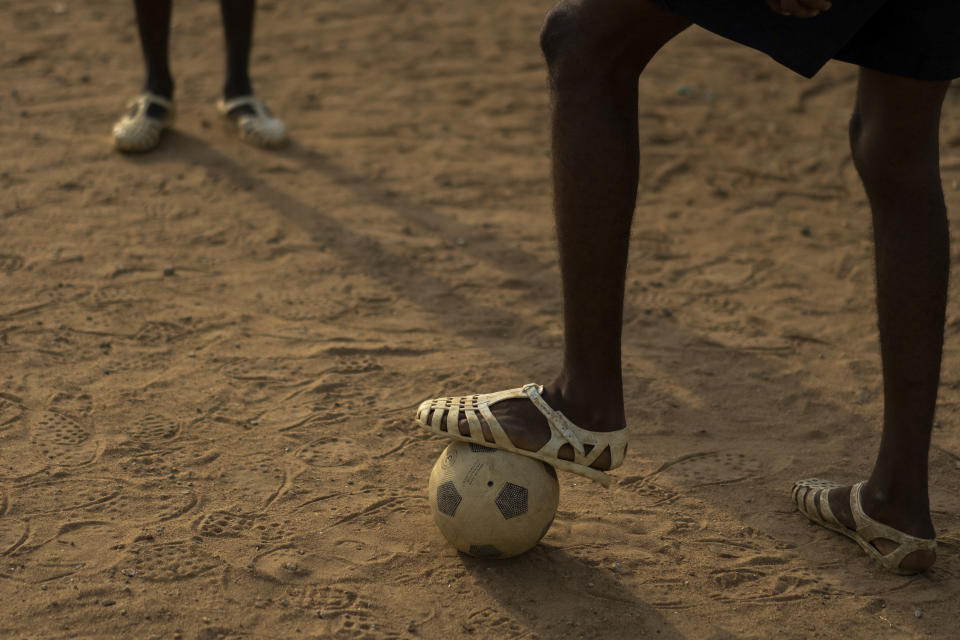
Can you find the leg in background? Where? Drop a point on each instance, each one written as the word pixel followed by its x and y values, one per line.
pixel 151 112
pixel 153 23
pixel 238 34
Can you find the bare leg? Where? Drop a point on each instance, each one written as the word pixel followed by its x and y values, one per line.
pixel 595 51
pixel 238 34
pixel 153 24
pixel 894 137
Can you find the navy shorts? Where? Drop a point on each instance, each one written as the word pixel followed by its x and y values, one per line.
pixel 916 39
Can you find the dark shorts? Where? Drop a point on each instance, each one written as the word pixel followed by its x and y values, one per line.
pixel 912 38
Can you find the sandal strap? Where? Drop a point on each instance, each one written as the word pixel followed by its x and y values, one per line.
pixel 555 419
pixel 564 431
pixel 148 98
pixel 806 501
pixel 257 104
pixel 446 418
pixel 871 530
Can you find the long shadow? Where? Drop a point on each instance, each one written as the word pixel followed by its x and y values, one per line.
pixel 398 272
pixel 423 215
pixel 557 595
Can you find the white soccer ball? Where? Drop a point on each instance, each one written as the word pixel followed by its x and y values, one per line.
pixel 490 503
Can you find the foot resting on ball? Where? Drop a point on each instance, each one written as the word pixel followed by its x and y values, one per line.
pixel 520 420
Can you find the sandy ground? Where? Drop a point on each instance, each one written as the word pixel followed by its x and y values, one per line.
pixel 210 355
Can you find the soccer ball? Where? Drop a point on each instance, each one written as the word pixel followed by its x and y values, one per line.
pixel 490 503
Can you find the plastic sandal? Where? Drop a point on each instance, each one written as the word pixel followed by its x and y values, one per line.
pixel 260 128
pixel 137 131
pixel 868 530
pixel 442 416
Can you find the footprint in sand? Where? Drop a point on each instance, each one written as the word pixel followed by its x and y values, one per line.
pixel 709 468
pixel 328 601
pixel 186 459
pixel 62 439
pixel 342 612
pixel 259 479
pixel 331 452
pixel 489 622
pixel 297 308
pixel 652 494
pixel 157 333
pixel 110 295
pixel 169 562
pixel 153 428
pixel 228 524
pixel 224 524
pixel 10 263
pixel 274 532
pixel 352 626
pixel 766 584
pixel 757 570
pixel 139 508
pixel 356 365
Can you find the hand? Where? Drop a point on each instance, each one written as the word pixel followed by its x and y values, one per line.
pixel 799 8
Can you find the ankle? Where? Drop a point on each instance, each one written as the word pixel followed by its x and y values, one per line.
pixel 905 508
pixel 162 87
pixel 588 405
pixel 237 87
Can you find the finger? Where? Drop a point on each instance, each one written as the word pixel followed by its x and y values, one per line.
pixel 794 8
pixel 816 5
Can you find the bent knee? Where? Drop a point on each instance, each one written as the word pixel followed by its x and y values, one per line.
pixel 598 35
pixel 889 160
pixel 559 33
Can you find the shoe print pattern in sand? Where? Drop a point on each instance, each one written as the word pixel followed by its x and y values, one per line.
pixel 171 562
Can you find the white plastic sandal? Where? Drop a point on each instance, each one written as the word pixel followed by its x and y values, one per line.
pixel 810 496
pixel 442 417
pixel 137 131
pixel 260 128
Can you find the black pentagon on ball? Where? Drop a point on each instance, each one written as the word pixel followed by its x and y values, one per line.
pixel 512 500
pixel 484 551
pixel 448 499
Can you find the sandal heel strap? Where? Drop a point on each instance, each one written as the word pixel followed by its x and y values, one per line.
pixel 578 437
pixel 871 530
pixel 150 97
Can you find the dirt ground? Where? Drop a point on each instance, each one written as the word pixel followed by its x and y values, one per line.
pixel 210 355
